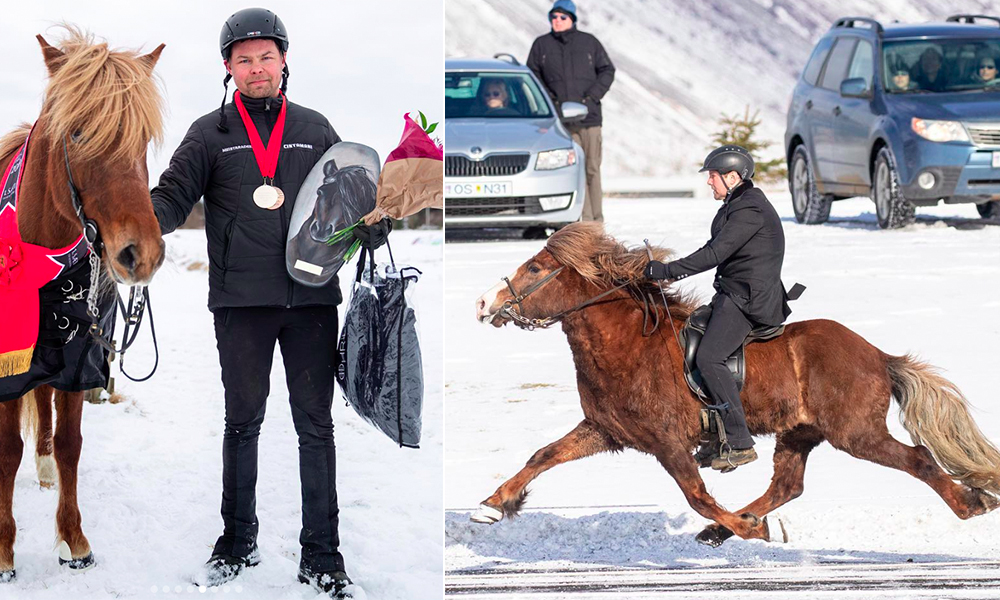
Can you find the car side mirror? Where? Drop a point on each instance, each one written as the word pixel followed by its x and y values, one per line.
pixel 573 112
pixel 856 87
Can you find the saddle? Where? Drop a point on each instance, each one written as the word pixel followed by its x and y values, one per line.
pixel 694 330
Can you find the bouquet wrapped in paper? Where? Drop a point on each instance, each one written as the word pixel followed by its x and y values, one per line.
pixel 413 177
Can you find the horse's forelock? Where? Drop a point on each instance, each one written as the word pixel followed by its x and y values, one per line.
pixel 107 96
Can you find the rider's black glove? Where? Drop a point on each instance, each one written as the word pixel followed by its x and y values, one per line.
pixel 657 270
pixel 373 236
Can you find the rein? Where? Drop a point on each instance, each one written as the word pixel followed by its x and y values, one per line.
pixel 507 310
pixel 136 308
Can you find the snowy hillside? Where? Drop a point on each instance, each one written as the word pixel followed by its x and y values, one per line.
pixel 672 58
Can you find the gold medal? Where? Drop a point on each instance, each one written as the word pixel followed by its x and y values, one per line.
pixel 269 197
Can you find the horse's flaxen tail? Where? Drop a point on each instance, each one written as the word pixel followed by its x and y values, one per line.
pixel 936 415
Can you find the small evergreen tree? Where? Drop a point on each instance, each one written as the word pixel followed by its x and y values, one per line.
pixel 742 131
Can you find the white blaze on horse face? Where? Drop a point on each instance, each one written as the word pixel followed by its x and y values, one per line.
pixel 484 304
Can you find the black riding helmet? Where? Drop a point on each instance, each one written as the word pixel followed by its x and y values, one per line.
pixel 246 24
pixel 251 23
pixel 730 158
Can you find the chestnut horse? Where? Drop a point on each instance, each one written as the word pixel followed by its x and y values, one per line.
pixel 105 107
pixel 819 381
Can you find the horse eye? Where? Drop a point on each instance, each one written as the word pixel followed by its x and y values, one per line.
pixel 534 269
pixel 76 136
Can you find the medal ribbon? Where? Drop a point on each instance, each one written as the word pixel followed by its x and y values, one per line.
pixel 267 158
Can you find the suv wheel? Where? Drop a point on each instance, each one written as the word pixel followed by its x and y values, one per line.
pixel 891 208
pixel 989 210
pixel 809 205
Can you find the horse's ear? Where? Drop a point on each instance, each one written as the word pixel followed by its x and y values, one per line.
pixel 150 59
pixel 53 56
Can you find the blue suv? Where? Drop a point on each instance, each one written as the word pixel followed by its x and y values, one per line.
pixel 908 114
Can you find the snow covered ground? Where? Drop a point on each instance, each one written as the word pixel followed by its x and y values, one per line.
pixel 150 473
pixel 930 289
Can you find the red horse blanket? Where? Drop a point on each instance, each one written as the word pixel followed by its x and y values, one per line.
pixel 24 269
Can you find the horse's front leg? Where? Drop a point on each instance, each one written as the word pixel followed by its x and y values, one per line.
pixel 682 467
pixel 11 447
pixel 74 549
pixel 585 440
pixel 45 463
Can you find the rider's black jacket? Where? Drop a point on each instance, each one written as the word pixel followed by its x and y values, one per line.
pixel 246 244
pixel 748 247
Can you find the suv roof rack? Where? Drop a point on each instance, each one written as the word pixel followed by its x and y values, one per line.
pixel 850 21
pixel 508 57
pixel 971 19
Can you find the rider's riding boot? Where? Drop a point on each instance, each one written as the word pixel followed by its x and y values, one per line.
pixel 728 461
pixel 708 451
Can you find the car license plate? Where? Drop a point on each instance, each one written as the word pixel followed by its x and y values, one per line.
pixel 478 189
pixel 996 160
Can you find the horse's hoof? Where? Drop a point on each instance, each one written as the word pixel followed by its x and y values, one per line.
pixel 8 576
pixel 776 530
pixel 77 565
pixel 486 514
pixel 714 535
pixel 710 537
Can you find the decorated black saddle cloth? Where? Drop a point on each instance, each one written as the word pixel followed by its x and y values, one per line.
pixel 66 355
pixel 694 330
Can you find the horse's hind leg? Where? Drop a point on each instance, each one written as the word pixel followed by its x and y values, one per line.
pixel 45 463
pixel 585 440
pixel 881 448
pixel 74 549
pixel 790 454
pixel 679 463
pixel 11 448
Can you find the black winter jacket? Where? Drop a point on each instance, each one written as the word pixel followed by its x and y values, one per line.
pixel 748 247
pixel 246 243
pixel 574 68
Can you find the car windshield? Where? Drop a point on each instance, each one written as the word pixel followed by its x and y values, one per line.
pixel 929 66
pixel 493 95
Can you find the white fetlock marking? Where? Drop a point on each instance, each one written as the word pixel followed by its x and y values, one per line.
pixel 64 552
pixel 45 465
pixel 486 514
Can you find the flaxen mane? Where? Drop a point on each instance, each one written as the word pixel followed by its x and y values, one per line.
pixel 601 259
pixel 107 99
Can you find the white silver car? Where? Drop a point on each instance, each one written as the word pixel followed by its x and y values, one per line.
pixel 509 162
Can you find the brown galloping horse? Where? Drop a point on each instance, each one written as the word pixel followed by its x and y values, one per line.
pixel 106 106
pixel 818 381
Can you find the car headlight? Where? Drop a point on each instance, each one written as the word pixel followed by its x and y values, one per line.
pixel 555 159
pixel 939 131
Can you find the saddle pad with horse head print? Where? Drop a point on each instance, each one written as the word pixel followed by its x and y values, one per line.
pixel 694 330
pixel 24 269
pixel 338 191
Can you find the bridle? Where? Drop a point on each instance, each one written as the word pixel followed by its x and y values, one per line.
pixel 507 310
pixel 137 303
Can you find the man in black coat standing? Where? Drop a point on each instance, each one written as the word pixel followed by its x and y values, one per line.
pixel 248 160
pixel 747 247
pixel 574 67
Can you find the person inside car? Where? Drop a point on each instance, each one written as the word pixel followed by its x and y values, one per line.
pixel 900 75
pixel 493 99
pixel 986 71
pixel 930 75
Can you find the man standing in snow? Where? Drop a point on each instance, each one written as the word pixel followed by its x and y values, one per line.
pixel 748 247
pixel 575 68
pixel 248 160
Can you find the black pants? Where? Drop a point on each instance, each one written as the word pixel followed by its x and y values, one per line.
pixel 308 341
pixel 726 331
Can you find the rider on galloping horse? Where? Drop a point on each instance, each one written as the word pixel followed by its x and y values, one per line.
pixel 747 247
